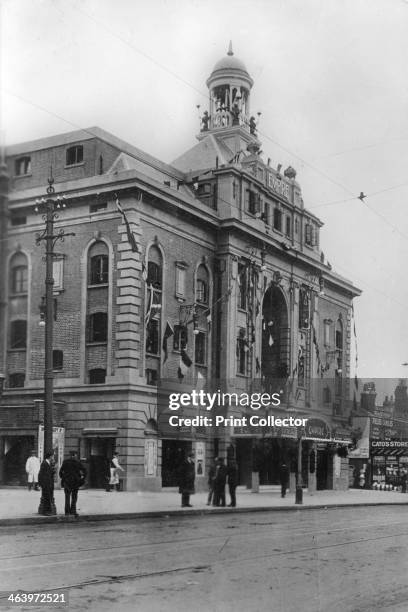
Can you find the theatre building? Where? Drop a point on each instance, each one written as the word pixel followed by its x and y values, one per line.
pixel 205 273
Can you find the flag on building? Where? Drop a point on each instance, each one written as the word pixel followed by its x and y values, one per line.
pixel 130 235
pixel 144 272
pixel 200 382
pixel 168 332
pixel 149 304
pixel 185 364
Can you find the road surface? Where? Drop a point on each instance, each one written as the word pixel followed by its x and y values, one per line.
pixel 350 559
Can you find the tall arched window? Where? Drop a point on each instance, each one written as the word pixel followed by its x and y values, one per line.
pixel 154 287
pixel 98 264
pixel 339 357
pixel 304 308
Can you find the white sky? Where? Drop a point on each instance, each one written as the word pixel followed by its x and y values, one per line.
pixel 331 82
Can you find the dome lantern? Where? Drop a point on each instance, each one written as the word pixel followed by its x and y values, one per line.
pixel 229 86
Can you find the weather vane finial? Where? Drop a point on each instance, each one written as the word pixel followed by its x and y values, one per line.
pixel 230 51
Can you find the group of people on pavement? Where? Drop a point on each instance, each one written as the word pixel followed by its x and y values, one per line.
pixel 218 477
pixel 72 474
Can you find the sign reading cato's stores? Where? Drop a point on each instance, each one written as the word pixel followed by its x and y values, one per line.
pixel 376 444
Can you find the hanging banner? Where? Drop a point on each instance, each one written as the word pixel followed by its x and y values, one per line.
pixel 200 458
pixel 150 457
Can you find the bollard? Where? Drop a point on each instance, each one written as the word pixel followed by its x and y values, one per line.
pixel 299 495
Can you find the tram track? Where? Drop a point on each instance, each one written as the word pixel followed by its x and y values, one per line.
pixel 275 553
pixel 300 531
pixel 196 568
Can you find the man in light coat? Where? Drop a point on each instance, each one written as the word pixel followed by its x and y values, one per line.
pixel 32 468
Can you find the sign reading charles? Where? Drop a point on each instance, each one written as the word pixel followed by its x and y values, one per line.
pixel 317 429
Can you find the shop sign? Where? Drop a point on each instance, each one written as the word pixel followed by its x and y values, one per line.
pixel 389 444
pixel 249 431
pixel 278 185
pixel 317 430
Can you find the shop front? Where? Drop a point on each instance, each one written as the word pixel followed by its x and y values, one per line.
pixel 262 450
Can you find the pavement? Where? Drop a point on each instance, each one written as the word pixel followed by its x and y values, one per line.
pixel 18 506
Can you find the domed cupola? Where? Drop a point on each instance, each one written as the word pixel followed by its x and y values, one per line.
pixel 229 85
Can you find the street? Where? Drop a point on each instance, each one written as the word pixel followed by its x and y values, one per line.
pixel 350 559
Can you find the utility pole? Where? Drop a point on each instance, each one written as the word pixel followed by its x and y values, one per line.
pixel 50 205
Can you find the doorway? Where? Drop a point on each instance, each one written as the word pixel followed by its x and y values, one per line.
pixel 17 449
pixel 99 453
pixel 173 454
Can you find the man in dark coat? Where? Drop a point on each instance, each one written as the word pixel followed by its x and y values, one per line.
pixel 186 480
pixel 72 474
pixel 46 482
pixel 283 478
pixel 211 478
pixel 232 475
pixel 219 483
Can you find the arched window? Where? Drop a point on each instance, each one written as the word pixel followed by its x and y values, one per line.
pixel 98 264
pixel 18 274
pixel 75 155
pixel 339 335
pixel 339 358
pixel 154 285
pixel 304 308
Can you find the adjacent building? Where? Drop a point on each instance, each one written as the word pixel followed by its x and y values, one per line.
pixel 212 279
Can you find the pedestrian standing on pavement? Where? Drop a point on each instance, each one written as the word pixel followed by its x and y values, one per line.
pixel 219 483
pixel 72 474
pixel 232 476
pixel 46 482
pixel 115 468
pixel 283 478
pixel 32 467
pixel 403 481
pixel 186 476
pixel 211 477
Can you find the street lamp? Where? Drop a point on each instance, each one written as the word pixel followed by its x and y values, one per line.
pixel 49 206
